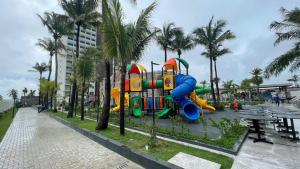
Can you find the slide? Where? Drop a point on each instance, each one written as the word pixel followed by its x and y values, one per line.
pixel 164 112
pixel 137 105
pixel 115 94
pixel 185 84
pixel 200 102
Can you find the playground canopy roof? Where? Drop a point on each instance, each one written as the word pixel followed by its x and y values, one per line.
pixel 136 69
pixel 184 63
pixel 170 64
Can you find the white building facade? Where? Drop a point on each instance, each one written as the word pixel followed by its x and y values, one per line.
pixel 87 39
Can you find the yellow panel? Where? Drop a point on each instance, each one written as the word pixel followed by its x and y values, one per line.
pixel 168 82
pixel 136 84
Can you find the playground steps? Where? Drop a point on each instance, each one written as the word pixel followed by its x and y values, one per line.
pixel 187 161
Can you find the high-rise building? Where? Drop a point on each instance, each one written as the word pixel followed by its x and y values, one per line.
pixel 88 38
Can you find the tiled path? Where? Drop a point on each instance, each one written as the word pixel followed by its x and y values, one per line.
pixel 36 141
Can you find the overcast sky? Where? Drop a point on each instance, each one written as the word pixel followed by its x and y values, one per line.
pixel 248 19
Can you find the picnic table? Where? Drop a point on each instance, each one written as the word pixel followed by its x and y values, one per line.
pixel 257 118
pixel 291 115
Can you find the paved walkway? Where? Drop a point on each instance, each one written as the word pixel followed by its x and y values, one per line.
pixel 37 141
pixel 283 154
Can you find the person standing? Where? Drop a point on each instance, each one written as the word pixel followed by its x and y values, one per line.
pixel 277 100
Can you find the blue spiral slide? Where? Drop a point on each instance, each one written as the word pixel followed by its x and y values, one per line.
pixel 185 84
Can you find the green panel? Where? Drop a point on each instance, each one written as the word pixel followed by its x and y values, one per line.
pixel 159 84
pixel 129 67
pixel 145 84
pixel 185 63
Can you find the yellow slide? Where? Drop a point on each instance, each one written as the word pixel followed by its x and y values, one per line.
pixel 115 94
pixel 200 102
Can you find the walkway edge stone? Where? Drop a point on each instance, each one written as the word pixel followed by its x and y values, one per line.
pixel 142 159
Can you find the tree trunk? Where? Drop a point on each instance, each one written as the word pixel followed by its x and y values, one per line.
pixel 50 68
pixel 76 102
pixel 217 82
pixel 74 85
pixel 122 99
pixel 179 64
pixel 56 74
pixel 82 100
pixel 166 57
pixel 212 82
pixel 97 98
pixel 104 118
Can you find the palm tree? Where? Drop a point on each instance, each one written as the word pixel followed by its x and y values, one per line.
pixel 126 42
pixel 294 79
pixel 82 14
pixel 257 78
pixel 13 93
pixel 287 29
pixel 228 88
pixel 40 68
pixel 49 45
pixel 211 37
pixel 58 26
pixel 103 122
pixel 25 90
pixel 181 43
pixel 31 92
pixel 85 72
pixel 47 89
pixel 165 37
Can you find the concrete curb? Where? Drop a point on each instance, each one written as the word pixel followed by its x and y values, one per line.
pixel 236 148
pixel 144 160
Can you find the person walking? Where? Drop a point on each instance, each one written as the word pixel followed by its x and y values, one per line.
pixel 277 100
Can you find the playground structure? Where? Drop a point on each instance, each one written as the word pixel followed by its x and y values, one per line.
pixel 179 93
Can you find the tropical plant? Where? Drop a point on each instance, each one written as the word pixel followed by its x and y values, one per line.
pixel 294 79
pixel 47 89
pixel 287 29
pixel 85 72
pixel 13 93
pixel 211 37
pixel 58 26
pixel 181 43
pixel 257 78
pixel 126 41
pixel 40 68
pixel 230 88
pixel 166 36
pixel 31 93
pixel 83 14
pixel 25 90
pixel 49 45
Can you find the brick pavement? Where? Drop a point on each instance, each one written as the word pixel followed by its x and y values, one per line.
pixel 36 141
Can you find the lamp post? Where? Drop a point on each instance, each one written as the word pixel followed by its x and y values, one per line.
pixel 153 112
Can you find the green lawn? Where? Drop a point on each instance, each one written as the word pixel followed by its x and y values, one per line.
pixel 5 122
pixel 165 150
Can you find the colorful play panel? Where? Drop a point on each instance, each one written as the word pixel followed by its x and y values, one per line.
pixel 179 93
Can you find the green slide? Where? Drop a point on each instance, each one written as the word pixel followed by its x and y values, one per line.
pixel 137 112
pixel 136 106
pixel 164 112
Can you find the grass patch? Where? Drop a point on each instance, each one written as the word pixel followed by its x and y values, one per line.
pixel 165 150
pixel 227 140
pixel 5 121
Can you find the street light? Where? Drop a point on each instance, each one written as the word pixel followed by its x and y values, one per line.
pixel 153 112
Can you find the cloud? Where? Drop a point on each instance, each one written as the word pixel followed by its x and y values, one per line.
pixel 249 20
